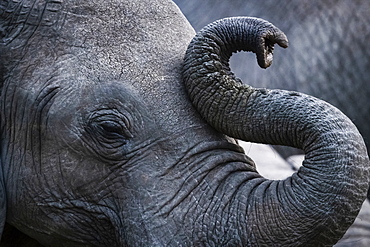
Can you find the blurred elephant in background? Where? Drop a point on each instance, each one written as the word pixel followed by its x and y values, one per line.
pixel 328 55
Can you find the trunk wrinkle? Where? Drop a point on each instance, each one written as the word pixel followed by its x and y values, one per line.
pixel 317 204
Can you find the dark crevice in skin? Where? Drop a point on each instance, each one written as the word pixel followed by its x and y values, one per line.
pixel 38 117
pixel 322 199
pixel 13 237
pixel 78 214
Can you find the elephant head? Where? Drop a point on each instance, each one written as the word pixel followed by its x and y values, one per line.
pixel 100 144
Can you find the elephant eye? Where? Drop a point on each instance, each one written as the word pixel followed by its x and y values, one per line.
pixel 108 133
pixel 114 129
pixel 109 125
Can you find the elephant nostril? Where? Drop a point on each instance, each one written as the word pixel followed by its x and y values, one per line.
pixel 269 46
pixel 268 53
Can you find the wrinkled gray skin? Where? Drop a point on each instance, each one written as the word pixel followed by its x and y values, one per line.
pixel 328 55
pixel 100 145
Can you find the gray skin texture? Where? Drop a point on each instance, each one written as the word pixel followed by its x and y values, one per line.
pixel 328 55
pixel 101 146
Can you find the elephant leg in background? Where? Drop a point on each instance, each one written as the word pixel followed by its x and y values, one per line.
pixel 328 55
pixel 287 153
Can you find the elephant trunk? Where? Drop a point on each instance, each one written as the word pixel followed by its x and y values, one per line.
pixel 317 204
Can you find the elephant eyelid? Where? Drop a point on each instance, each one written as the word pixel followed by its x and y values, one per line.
pixel 113 128
pixel 110 123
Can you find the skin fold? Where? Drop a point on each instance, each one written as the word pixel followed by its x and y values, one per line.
pixel 110 137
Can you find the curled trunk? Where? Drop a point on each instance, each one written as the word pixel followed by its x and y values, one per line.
pixel 317 204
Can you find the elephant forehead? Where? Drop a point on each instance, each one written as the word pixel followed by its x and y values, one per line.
pixel 131 42
pixel 121 32
pixel 134 43
pixel 159 24
pixel 132 20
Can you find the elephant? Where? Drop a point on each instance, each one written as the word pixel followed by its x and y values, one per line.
pixel 118 126
pixel 327 58
pixel 328 55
